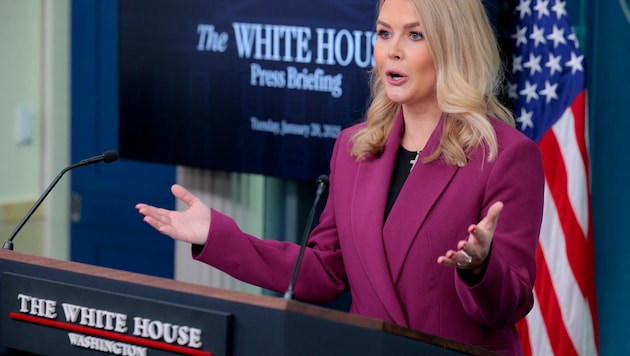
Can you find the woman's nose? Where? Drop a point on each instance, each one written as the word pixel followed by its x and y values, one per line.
pixel 394 50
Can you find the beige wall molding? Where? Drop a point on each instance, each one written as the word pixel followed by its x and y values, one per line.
pixel 13 212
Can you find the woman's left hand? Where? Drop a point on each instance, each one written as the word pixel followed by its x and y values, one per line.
pixel 473 252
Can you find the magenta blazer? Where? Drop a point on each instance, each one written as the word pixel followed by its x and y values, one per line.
pixel 391 266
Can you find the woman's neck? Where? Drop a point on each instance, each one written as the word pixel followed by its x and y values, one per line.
pixel 419 126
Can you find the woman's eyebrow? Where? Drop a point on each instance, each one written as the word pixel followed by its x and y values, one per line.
pixel 406 26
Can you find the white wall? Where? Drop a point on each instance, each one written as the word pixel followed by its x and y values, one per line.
pixel 56 124
pixel 34 81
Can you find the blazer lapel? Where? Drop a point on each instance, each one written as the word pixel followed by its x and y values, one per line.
pixel 368 211
pixel 421 190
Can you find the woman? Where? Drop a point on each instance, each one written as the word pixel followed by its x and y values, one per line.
pixel 411 225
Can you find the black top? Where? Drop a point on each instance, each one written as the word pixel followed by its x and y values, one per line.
pixel 400 174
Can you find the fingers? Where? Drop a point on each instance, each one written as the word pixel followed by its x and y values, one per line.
pixel 495 210
pixel 472 252
pixel 183 194
pixel 178 191
pixel 154 223
pixel 462 259
pixel 459 259
pixel 484 230
pixel 153 215
pixel 490 221
pixel 158 218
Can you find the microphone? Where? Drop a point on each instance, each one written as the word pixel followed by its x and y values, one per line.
pixel 107 157
pixel 322 185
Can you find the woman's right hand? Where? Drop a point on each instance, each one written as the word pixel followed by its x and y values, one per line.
pixel 191 225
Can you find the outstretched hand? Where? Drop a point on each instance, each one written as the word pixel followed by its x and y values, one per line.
pixel 190 225
pixel 473 252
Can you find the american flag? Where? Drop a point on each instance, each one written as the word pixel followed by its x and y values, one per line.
pixel 549 94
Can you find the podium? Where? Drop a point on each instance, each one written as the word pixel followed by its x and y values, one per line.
pixel 54 307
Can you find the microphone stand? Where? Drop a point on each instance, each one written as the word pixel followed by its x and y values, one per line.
pixel 8 245
pixel 322 184
pixel 108 156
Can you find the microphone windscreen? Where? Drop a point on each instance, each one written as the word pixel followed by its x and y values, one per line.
pixel 322 179
pixel 110 156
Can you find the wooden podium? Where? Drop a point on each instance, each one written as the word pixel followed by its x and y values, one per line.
pixel 54 307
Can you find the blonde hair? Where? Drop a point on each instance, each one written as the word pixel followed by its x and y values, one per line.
pixel 469 74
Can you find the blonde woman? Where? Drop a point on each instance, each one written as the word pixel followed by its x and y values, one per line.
pixel 435 201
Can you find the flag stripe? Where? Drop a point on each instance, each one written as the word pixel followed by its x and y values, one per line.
pixel 523 329
pixel 574 308
pixel 572 143
pixel 566 135
pixel 587 270
pixel 550 308
pixel 557 178
pixel 578 108
pixel 538 337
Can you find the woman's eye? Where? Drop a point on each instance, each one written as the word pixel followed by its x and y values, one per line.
pixel 383 34
pixel 416 36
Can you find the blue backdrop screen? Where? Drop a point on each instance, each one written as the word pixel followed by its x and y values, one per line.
pixel 246 86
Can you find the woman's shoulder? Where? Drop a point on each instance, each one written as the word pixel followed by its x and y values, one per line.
pixel 514 146
pixel 508 135
pixel 347 133
pixel 354 128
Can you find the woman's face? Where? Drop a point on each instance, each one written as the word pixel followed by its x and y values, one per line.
pixel 402 55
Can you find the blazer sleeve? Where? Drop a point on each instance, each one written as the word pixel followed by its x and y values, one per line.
pixel 269 263
pixel 505 293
